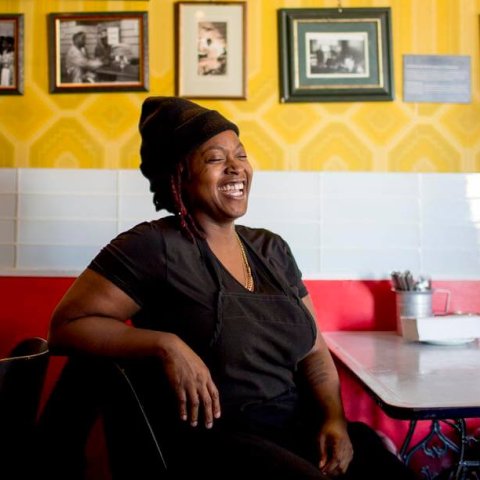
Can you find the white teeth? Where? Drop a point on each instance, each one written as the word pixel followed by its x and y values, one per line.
pixel 231 186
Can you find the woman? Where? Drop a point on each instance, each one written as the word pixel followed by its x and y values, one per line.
pixel 223 311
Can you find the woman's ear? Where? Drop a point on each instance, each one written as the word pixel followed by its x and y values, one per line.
pixel 183 170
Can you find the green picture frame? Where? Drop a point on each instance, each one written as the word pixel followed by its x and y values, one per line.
pixel 335 55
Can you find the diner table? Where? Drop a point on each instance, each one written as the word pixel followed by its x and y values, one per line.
pixel 419 381
pixel 116 73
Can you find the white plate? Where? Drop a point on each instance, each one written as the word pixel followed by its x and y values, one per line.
pixel 450 342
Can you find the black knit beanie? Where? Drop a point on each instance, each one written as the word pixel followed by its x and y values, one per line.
pixel 170 128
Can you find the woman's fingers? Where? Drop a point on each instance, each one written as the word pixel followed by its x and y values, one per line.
pixel 182 404
pixel 336 450
pixel 207 403
pixel 204 402
pixel 216 409
pixel 188 404
pixel 193 409
pixel 199 400
pixel 211 404
pixel 197 395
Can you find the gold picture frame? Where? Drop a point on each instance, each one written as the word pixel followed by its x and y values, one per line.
pixel 98 52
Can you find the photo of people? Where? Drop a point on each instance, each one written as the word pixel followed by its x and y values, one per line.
pixel 96 51
pixel 7 54
pixel 212 48
pixel 337 55
pixel 79 66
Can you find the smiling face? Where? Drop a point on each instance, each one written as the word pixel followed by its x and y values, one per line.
pixel 218 180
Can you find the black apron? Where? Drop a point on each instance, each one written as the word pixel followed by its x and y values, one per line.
pixel 258 341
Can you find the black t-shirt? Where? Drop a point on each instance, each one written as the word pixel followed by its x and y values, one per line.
pixel 172 278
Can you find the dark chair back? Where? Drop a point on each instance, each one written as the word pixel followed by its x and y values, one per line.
pixel 87 388
pixel 22 376
pixel 139 455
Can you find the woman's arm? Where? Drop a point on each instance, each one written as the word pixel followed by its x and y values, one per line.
pixel 320 375
pixel 90 319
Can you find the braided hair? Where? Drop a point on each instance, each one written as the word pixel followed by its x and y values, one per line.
pixel 167 194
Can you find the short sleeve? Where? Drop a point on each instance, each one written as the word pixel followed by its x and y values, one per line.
pixel 134 261
pixel 292 271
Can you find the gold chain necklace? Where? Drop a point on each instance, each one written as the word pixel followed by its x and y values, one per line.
pixel 249 283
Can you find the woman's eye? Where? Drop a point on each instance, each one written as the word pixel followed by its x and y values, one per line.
pixel 214 160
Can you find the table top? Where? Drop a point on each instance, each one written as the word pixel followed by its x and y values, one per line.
pixel 412 380
pixel 128 73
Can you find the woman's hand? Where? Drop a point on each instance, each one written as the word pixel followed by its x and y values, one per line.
pixel 335 448
pixel 193 385
pixel 91 319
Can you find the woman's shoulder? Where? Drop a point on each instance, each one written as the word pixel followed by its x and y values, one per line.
pixel 161 227
pixel 263 240
pixel 277 253
pixel 256 234
pixel 160 224
pixel 145 237
pixel 141 248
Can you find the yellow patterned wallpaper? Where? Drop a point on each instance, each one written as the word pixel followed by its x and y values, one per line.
pixel 98 130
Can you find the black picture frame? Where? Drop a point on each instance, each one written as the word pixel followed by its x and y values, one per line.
pixel 11 54
pixel 116 62
pixel 335 55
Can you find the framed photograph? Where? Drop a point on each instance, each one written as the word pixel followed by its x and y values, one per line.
pixel 11 54
pixel 98 52
pixel 335 55
pixel 211 49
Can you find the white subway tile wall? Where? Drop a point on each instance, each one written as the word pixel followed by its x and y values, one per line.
pixel 67 182
pixel 8 180
pixel 8 205
pixel 338 224
pixel 8 214
pixel 56 206
pixel 7 232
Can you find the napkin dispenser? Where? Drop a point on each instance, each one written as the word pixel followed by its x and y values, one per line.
pixel 455 328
